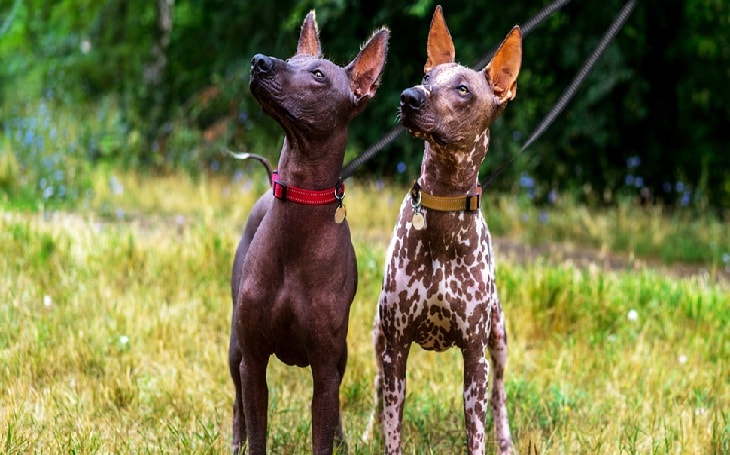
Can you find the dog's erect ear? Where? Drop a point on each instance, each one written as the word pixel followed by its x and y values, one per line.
pixel 364 70
pixel 439 47
pixel 501 72
pixel 309 37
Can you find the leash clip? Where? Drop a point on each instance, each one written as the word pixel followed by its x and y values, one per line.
pixel 416 203
pixel 416 196
pixel 341 195
pixel 418 220
pixel 340 211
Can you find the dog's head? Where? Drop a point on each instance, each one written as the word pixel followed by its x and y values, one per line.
pixel 310 94
pixel 454 105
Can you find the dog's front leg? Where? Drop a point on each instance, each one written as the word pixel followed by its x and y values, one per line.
pixel 325 407
pixel 498 353
pixel 476 373
pixel 255 402
pixel 395 357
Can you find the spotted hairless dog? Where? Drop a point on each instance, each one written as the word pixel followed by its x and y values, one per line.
pixel 294 272
pixel 439 284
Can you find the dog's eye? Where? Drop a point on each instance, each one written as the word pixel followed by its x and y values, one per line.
pixel 318 74
pixel 463 90
pixel 426 78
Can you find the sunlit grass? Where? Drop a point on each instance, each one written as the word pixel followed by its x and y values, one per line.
pixel 115 325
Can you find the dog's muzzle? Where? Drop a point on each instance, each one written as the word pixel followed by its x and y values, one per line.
pixel 412 100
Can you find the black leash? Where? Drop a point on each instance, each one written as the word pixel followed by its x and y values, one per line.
pixel 568 93
pixel 358 161
pixel 525 28
pixel 393 134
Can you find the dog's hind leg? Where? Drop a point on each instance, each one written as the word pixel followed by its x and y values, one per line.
pixel 498 352
pixel 234 350
pixel 340 441
pixel 239 421
pixel 374 428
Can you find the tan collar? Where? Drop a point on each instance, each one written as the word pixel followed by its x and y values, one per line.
pixel 469 203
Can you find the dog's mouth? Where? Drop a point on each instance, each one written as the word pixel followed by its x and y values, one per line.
pixel 261 88
pixel 419 127
pixel 266 90
pixel 266 84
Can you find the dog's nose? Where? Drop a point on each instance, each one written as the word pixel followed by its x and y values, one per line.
pixel 261 64
pixel 412 98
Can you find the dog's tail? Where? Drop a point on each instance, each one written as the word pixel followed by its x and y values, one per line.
pixel 252 156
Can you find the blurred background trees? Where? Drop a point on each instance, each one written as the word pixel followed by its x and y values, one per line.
pixel 163 85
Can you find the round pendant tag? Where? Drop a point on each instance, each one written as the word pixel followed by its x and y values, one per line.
pixel 418 221
pixel 340 214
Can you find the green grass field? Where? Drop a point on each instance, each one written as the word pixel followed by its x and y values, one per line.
pixel 115 324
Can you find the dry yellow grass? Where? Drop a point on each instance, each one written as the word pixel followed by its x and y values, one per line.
pixel 113 339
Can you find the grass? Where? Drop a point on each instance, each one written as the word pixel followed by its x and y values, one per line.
pixel 115 324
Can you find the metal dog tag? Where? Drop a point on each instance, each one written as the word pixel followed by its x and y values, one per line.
pixel 340 214
pixel 418 221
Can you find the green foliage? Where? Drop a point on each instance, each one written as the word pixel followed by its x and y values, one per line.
pixel 649 122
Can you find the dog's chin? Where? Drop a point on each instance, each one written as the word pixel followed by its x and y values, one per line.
pixel 419 131
pixel 429 136
pixel 268 103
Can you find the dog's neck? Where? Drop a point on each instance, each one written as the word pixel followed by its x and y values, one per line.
pixel 453 169
pixel 312 164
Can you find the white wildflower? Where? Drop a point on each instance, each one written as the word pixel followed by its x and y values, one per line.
pixel 633 316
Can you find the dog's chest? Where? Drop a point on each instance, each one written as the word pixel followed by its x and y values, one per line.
pixel 439 281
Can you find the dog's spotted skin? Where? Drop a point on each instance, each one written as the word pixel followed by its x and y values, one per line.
pixel 439 285
pixel 439 291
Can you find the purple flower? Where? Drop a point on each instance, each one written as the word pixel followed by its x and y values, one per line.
pixel 553 196
pixel 686 197
pixel 633 162
pixel 526 181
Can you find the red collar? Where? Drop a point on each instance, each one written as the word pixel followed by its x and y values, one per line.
pixel 306 197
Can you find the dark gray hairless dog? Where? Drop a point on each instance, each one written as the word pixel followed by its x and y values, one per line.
pixel 295 272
